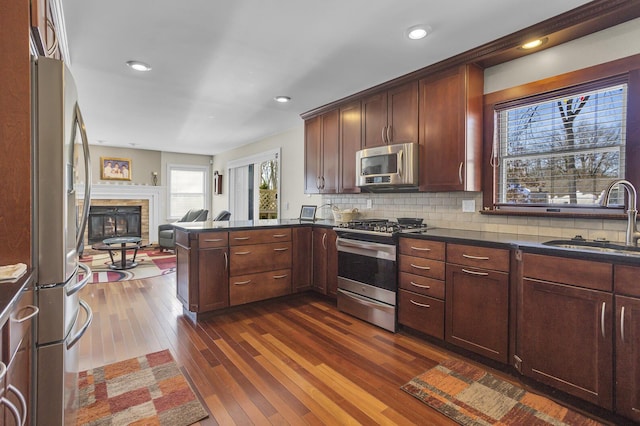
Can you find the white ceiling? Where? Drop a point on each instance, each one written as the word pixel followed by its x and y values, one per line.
pixel 217 65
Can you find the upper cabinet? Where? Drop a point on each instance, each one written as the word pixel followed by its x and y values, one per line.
pixel 321 153
pixel 451 130
pixel 43 27
pixel 350 143
pixel 391 116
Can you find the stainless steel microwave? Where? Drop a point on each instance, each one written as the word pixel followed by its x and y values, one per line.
pixel 388 168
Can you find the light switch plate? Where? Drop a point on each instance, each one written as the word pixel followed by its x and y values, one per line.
pixel 468 206
pixel 369 204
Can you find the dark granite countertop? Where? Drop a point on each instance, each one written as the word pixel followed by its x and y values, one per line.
pixel 10 292
pixel 238 225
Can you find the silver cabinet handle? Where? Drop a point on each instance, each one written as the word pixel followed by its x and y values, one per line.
pixel 322 182
pixel 420 285
pixel 213 240
pixel 23 403
pixel 425 268
pixel 279 235
pixel 460 171
pixel 483 274
pixel 622 324
pixel 226 261
pixel 324 241
pixel 279 277
pixel 388 134
pixel 242 282
pixel 422 305
pixel 420 248
pixel 382 135
pixel 604 305
pixel 27 317
pixel 241 238
pixel 281 249
pixel 3 370
pixel 468 256
pixel 242 253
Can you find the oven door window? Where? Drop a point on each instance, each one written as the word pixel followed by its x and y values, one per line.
pixel 380 165
pixel 369 270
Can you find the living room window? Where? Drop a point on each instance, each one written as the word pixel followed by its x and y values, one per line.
pixel 561 149
pixel 188 189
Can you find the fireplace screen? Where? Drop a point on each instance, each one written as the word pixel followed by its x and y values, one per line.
pixel 113 221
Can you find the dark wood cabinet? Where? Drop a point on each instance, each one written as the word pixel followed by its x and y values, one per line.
pixel 391 116
pixel 477 300
pixel 321 153
pixel 325 261
pixel 350 143
pixel 451 130
pixel 301 262
pixel 565 325
pixel 627 341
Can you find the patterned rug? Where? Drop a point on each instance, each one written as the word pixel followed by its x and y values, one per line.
pixel 151 263
pixel 148 390
pixel 471 396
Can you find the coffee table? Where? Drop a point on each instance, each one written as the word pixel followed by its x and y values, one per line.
pixel 121 244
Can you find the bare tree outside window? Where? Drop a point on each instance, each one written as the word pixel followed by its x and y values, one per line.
pixel 562 150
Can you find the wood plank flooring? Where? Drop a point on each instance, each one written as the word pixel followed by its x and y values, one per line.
pixel 290 361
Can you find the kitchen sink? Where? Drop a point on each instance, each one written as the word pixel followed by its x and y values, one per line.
pixel 596 246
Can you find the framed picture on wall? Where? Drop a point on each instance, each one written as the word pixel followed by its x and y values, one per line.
pixel 308 213
pixel 115 168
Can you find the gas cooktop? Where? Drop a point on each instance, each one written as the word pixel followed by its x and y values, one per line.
pixel 382 226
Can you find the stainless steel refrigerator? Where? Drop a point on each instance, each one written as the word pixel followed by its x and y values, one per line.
pixel 61 163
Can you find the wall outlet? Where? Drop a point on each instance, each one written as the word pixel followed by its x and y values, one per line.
pixel 369 204
pixel 286 205
pixel 468 206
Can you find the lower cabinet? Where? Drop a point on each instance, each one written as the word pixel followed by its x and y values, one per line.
pixel 422 313
pixel 325 261
pixel 302 260
pixel 254 287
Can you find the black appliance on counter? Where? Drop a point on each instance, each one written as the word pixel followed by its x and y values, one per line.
pixel 367 268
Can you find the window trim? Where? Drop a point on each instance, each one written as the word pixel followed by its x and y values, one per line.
pixel 188 167
pixel 627 69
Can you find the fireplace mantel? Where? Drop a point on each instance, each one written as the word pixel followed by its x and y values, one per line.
pixel 154 194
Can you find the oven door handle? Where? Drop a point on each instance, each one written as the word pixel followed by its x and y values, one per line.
pixel 367 248
pixel 71 343
pixel 364 300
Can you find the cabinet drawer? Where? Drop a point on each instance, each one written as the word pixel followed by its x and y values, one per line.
pixel 213 239
pixel 578 272
pixel 259 236
pixel 421 266
pixel 254 287
pixel 422 285
pixel 422 248
pixel 626 280
pixel 18 325
pixel 259 258
pixel 479 257
pixel 422 313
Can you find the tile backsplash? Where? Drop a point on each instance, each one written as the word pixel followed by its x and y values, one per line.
pixel 444 210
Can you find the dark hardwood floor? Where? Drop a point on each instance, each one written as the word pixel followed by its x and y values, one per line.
pixel 290 361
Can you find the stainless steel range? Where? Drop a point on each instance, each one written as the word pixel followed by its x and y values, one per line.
pixel 367 268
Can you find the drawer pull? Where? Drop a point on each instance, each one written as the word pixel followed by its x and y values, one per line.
pixel 279 235
pixel 242 252
pixel 420 248
pixel 483 274
pixel 420 285
pixel 213 240
pixel 622 324
pixel 604 307
pixel 242 282
pixel 425 268
pixel 468 256
pixel 34 312
pixel 279 277
pixel 281 249
pixel 241 238
pixel 422 305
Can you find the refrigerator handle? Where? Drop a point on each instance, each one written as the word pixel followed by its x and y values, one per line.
pixel 83 282
pixel 87 170
pixel 71 343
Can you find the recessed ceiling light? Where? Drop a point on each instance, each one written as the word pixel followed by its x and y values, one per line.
pixel 418 32
pixel 282 99
pixel 534 43
pixel 139 66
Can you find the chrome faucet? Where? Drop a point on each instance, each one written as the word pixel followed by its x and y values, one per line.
pixel 632 235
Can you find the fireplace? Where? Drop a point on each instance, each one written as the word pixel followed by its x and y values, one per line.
pixel 113 221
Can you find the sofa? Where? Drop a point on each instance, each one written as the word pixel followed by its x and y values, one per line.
pixel 166 234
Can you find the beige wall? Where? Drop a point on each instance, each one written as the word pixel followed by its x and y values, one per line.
pixel 143 162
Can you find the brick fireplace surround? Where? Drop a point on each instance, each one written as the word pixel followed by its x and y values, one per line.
pixel 148 197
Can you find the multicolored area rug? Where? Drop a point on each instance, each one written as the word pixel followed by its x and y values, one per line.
pixel 471 396
pixel 148 390
pixel 151 263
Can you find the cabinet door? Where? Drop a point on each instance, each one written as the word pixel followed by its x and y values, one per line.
pixel 628 357
pixel 374 120
pixel 301 259
pixel 477 310
pixel 566 339
pixel 350 143
pixel 330 149
pixel 402 114
pixel 312 155
pixel 213 278
pixel 186 286
pixel 450 130
pixel 320 273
